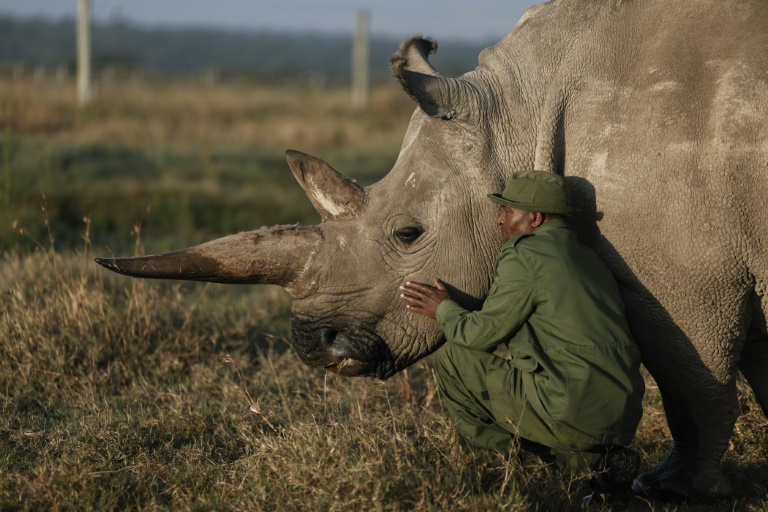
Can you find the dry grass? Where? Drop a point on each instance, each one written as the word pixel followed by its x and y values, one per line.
pixel 120 393
pixel 113 393
pixel 114 397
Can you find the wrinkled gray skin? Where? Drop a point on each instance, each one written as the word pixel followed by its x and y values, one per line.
pixel 656 113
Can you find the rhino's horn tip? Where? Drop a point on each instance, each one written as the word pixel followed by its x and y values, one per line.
pixel 106 263
pixel 293 154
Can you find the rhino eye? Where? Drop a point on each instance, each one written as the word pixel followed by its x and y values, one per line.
pixel 409 235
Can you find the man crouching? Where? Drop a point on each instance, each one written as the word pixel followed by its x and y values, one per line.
pixel 572 390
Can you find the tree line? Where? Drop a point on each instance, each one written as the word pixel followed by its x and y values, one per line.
pixel 126 47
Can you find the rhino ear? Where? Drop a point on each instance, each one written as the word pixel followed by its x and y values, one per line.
pixel 334 196
pixel 446 98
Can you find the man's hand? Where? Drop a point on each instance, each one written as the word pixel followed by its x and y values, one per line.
pixel 422 298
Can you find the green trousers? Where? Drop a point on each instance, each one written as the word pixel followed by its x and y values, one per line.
pixel 484 395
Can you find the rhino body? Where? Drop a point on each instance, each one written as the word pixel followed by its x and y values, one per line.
pixel 655 111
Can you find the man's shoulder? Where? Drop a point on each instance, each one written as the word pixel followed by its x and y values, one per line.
pixel 524 242
pixel 546 241
pixel 514 242
pixel 513 249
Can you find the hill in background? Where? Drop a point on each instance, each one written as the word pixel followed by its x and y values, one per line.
pixel 127 48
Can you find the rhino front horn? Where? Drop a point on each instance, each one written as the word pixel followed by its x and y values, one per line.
pixel 334 196
pixel 275 255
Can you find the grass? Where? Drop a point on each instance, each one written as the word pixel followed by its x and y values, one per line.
pixel 190 161
pixel 125 394
pixel 115 396
pixel 120 393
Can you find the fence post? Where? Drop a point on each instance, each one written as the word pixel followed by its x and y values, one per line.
pixel 360 81
pixel 84 52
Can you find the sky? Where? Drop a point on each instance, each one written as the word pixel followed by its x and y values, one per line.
pixel 472 20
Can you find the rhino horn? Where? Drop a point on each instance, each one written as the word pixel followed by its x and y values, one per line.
pixel 277 255
pixel 446 98
pixel 334 196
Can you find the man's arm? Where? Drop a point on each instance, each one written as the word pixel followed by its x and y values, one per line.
pixel 505 310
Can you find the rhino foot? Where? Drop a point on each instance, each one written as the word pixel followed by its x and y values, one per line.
pixel 647 484
pixel 682 482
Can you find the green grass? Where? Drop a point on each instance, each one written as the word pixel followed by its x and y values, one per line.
pixel 179 196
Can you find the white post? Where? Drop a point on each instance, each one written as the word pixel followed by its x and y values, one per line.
pixel 360 85
pixel 84 52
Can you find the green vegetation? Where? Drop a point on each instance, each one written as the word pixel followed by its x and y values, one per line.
pixel 126 394
pixel 179 196
pixel 184 162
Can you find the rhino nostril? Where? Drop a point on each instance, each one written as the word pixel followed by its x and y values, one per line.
pixel 336 343
pixel 328 336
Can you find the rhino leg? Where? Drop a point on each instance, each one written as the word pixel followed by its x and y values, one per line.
pixel 700 403
pixel 754 366
pixel 701 428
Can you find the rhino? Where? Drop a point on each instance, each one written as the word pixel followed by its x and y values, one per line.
pixel 655 112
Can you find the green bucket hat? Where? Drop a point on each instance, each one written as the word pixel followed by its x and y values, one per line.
pixel 536 191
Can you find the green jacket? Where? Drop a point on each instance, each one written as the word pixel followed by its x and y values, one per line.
pixel 557 307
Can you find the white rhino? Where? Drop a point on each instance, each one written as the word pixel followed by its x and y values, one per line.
pixel 655 111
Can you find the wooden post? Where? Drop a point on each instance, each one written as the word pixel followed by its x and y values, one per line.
pixel 360 83
pixel 84 52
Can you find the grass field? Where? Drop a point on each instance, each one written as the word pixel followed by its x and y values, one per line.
pixel 187 161
pixel 125 394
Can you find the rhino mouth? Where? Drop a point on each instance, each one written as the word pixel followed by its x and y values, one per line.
pixel 348 352
pixel 350 367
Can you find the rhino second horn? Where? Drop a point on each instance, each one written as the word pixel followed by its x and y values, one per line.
pixel 334 196
pixel 277 255
pixel 413 55
pixel 446 98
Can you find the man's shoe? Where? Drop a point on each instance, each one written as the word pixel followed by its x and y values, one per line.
pixel 613 476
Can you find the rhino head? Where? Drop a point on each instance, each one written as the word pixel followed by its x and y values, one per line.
pixel 427 218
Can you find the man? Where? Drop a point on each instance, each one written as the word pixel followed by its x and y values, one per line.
pixel 572 390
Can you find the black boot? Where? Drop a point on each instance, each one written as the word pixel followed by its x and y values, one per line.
pixel 612 478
